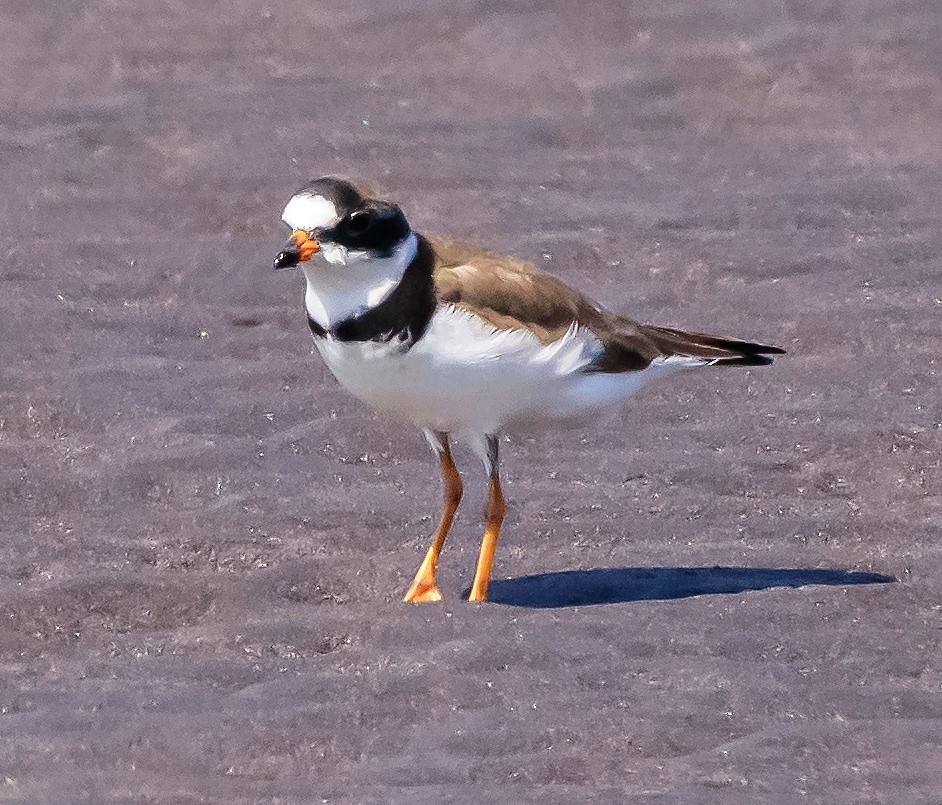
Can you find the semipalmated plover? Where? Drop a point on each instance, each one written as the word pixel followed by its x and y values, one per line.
pixel 468 343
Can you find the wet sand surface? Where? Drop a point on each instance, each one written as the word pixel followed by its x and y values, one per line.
pixel 729 593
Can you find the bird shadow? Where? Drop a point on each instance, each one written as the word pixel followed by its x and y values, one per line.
pixel 619 585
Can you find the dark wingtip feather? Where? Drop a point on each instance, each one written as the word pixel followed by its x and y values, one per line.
pixel 721 351
pixel 746 360
pixel 751 354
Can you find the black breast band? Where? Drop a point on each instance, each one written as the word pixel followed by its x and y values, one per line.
pixel 404 314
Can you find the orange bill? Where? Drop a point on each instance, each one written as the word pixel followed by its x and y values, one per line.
pixel 299 248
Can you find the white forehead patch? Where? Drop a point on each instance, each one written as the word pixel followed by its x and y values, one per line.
pixel 308 212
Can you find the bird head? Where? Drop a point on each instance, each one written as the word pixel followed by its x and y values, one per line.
pixel 333 220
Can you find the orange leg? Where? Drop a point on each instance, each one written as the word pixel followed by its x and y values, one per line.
pixel 424 587
pixel 493 518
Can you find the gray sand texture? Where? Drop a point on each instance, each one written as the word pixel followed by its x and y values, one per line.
pixel 729 593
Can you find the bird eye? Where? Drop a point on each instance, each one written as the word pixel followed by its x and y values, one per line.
pixel 359 222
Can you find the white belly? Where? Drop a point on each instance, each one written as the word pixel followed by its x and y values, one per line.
pixel 464 377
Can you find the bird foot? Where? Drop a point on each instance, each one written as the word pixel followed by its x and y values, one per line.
pixel 423 592
pixel 477 594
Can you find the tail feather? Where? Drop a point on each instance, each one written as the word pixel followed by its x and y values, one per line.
pixel 711 348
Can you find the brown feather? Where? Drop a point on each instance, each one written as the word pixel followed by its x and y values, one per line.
pixel 512 294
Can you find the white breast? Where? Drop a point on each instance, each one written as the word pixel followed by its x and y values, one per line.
pixel 463 376
pixel 342 283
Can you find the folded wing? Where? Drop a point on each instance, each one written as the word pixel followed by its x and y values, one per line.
pixel 512 295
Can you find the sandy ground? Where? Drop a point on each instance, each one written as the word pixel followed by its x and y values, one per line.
pixel 730 594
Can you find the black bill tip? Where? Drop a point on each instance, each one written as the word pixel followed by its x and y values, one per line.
pixel 288 257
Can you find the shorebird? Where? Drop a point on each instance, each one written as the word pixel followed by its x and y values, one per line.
pixel 466 343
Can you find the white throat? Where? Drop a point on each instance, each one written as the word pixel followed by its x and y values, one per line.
pixel 341 283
